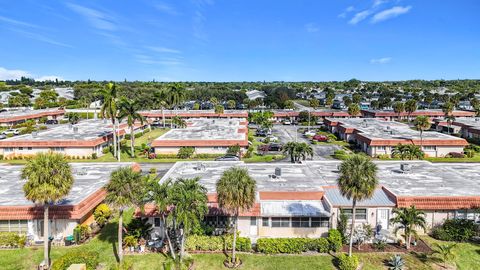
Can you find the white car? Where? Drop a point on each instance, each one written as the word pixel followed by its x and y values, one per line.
pixel 310 133
pixel 270 138
pixel 11 131
pixel 287 122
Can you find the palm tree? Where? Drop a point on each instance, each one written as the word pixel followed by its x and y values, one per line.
pixel 357 182
pixel 450 119
pixel 303 150
pixel 214 101
pixel 176 95
pixel 189 200
pixel 354 109
pixel 290 148
pixel 160 194
pixel 235 194
pixel 399 108
pixel 128 110
pixel 422 123
pixel 109 110
pixel 445 252
pixel 179 122
pixel 408 219
pixel 219 109
pixel 73 117
pixel 125 189
pixel 49 179
pixel 410 107
pixel 161 98
pixel 231 104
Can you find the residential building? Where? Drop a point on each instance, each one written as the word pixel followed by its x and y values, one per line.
pixel 303 200
pixel 467 127
pixel 157 115
pixel 17 214
pixel 391 115
pixel 80 140
pixel 378 137
pixel 13 117
pixel 207 136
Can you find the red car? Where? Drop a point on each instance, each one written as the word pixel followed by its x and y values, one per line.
pixel 320 138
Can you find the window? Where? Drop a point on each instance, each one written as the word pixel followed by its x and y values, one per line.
pixel 429 148
pixel 320 222
pixel 20 148
pixel 253 221
pixel 360 213
pixel 8 149
pixel 265 222
pixel 300 222
pixel 156 222
pixel 18 226
pixel 29 148
pixel 57 149
pixel 216 221
pixel 381 148
pixel 280 222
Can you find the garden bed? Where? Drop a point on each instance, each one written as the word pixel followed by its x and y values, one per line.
pixel 421 247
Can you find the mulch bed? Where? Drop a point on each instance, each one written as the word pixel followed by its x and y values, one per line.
pixel 421 247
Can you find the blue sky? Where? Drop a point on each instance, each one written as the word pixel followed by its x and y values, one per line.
pixel 240 40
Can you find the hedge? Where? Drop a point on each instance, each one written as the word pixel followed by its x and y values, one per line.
pixel 335 239
pixel 90 258
pixel 459 230
pixel 216 243
pixel 292 245
pixel 12 240
pixel 346 262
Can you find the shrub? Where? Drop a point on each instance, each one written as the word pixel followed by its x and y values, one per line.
pixel 102 213
pixel 185 152
pixel 127 136
pixel 455 155
pixel 234 150
pixel 346 262
pixel 81 233
pixel 291 245
pixel 1 157
pixel 335 240
pixel 396 262
pixel 106 150
pixel 340 154
pixel 166 156
pixel 90 258
pixel 94 156
pixel 216 243
pixel 469 153
pixel 379 245
pixel 459 230
pixel 13 240
pixel 384 156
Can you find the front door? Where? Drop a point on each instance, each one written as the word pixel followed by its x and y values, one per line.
pixel 383 218
pixel 253 226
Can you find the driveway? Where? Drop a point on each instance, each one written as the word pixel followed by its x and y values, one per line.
pixel 289 133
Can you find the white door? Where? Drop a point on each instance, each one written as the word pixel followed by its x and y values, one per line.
pixel 383 218
pixel 253 226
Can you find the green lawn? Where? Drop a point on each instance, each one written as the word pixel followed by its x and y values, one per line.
pixel 150 136
pixel 475 158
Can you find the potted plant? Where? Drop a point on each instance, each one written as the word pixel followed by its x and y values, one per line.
pixel 130 242
pixel 142 242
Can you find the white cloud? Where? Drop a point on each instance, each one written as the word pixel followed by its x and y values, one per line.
pixel 12 74
pixel 163 49
pixel 346 11
pixel 390 13
pixel 40 37
pixel 311 27
pixel 383 60
pixel 377 3
pixel 16 74
pixel 17 23
pixel 360 16
pixel 96 18
pixel 163 7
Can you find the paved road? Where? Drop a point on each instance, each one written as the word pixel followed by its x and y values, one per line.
pixel 287 133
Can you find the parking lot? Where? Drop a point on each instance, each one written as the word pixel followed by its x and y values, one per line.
pixel 289 133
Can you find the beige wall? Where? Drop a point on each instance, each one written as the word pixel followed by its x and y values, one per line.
pixel 372 217
pixel 292 232
pixel 440 151
pixel 57 228
pixel 198 150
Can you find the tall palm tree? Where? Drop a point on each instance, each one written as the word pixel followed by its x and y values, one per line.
pixel 290 148
pixel 125 189
pixel 354 110
pixel 407 151
pixel 231 104
pixel 128 109
pixel 161 196
pixel 189 200
pixel 408 219
pixel 450 119
pixel 422 123
pixel 176 94
pixel 179 122
pixel 235 194
pixel 49 179
pixel 219 109
pixel 398 108
pixel 445 252
pixel 109 110
pixel 161 98
pixel 410 107
pixel 357 182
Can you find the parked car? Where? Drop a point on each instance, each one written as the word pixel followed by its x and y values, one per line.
pixel 261 133
pixel 11 131
pixel 51 122
pixel 228 158
pixel 310 133
pixel 3 136
pixel 320 138
pixel 270 138
pixel 287 122
pixel 275 147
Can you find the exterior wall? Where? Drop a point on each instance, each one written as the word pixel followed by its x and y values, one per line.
pixel 440 151
pixel 166 150
pixel 373 218
pixel 69 151
pixel 58 228
pixel 198 150
pixel 292 232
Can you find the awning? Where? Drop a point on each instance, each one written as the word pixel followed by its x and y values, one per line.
pixel 293 208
